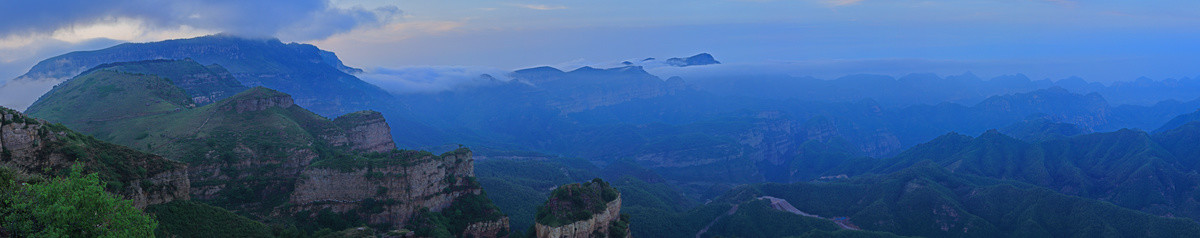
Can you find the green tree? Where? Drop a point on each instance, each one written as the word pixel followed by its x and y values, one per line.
pixel 74 206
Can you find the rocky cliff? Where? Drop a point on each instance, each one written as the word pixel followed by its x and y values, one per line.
pixel 495 228
pixel 599 223
pixel 401 184
pixel 363 131
pixel 35 146
pixel 591 209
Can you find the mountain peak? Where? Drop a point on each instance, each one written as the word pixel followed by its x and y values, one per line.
pixel 257 99
pixel 314 76
pixel 698 59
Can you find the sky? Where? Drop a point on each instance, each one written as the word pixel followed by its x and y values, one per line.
pixel 1098 40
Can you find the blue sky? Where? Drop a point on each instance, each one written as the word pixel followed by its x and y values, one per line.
pixel 1097 40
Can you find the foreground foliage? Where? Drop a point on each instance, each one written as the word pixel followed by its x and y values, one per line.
pixel 73 206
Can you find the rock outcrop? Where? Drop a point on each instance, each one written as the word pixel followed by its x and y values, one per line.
pixel 263 101
pixel 496 228
pixel 363 131
pixel 37 147
pixel 599 223
pixel 403 184
pixel 559 217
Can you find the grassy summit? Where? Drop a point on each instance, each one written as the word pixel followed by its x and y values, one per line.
pixel 104 95
pixel 576 202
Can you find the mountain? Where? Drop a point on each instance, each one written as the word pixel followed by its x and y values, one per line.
pixel 925 88
pixel 204 83
pixel 698 59
pixel 1181 142
pixel 929 201
pixel 1042 129
pixel 1179 121
pixel 260 154
pixel 532 106
pixel 586 87
pixel 35 146
pixel 700 140
pixel 315 77
pixel 1127 168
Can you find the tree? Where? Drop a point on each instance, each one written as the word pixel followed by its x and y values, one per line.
pixel 73 206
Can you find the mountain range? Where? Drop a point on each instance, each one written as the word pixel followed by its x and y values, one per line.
pixel 259 135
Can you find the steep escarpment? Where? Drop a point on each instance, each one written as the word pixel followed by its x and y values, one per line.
pixel 582 210
pixel 400 182
pixel 363 131
pixel 37 147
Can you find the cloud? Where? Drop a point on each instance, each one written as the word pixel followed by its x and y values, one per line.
pixel 543 7
pixel 299 19
pixel 430 79
pixel 1094 70
pixel 19 94
pixel 837 3
pixel 14 61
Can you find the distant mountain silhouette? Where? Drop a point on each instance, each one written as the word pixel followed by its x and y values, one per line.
pixel 316 78
pixel 698 59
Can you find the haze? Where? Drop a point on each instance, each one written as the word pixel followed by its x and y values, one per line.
pixel 1098 40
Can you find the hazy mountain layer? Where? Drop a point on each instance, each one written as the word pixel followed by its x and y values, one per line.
pixel 315 77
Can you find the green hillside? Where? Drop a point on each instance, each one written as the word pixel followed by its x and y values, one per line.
pixel 193 219
pixel 104 95
pixel 930 201
pixel 54 149
pixel 1126 167
pixel 205 84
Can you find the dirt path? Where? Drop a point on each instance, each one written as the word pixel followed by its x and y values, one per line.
pixel 783 205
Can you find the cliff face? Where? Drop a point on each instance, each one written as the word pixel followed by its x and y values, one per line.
pixel 582 210
pixel 599 223
pixel 34 146
pixel 363 131
pixel 496 228
pixel 402 188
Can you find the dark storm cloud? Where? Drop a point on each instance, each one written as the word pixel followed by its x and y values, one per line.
pixel 297 19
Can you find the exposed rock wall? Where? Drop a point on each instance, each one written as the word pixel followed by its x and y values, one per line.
pixel 162 188
pixel 584 229
pixel 496 228
pixel 363 131
pixel 401 188
pixel 26 144
pixel 275 173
